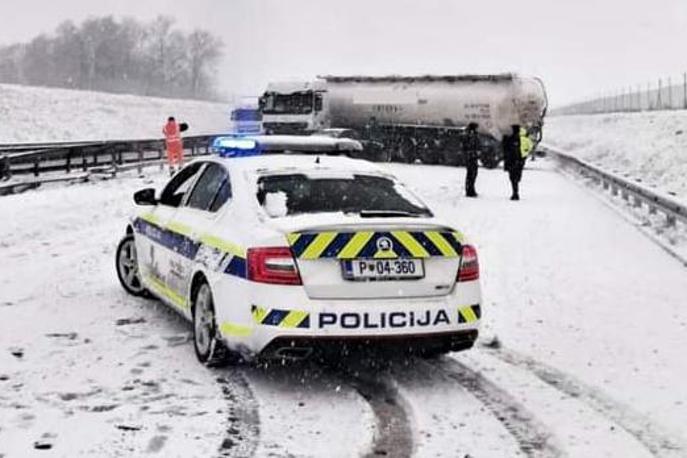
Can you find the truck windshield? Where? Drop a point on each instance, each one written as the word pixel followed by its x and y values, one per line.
pixel 296 103
pixel 365 195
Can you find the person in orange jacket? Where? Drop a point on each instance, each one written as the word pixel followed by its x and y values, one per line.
pixel 174 144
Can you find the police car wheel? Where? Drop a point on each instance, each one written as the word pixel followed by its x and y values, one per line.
pixel 127 267
pixel 209 349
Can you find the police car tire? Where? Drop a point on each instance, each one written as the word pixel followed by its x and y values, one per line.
pixel 216 354
pixel 141 292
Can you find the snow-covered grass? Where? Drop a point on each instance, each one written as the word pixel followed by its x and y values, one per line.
pixel 36 114
pixel 650 146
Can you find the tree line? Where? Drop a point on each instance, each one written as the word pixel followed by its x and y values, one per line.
pixel 118 55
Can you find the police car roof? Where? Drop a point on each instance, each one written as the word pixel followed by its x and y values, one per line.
pixel 304 143
pixel 275 163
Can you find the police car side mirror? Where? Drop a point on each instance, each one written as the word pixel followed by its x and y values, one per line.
pixel 145 197
pixel 183 127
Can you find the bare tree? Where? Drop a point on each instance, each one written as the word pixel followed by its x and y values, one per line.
pixel 113 55
pixel 204 50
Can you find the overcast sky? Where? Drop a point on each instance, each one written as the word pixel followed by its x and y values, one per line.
pixel 579 47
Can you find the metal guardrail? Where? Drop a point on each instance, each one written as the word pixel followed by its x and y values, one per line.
pixel 641 196
pixel 76 159
pixel 39 158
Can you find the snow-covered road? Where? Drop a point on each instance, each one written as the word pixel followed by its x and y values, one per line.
pixel 590 313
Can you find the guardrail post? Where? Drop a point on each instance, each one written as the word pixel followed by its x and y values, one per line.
pixel 139 150
pixel 638 202
pixel 84 164
pixel 670 220
pixel 68 166
pixel 652 209
pixel 614 190
pixel 36 167
pixel 159 156
pixel 605 184
pixel 5 169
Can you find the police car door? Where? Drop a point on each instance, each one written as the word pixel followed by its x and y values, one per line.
pixel 198 217
pixel 164 238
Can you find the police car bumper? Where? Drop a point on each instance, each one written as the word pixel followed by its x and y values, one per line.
pixel 299 347
pixel 447 323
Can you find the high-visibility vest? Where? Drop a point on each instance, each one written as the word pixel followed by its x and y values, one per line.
pixel 171 132
pixel 526 144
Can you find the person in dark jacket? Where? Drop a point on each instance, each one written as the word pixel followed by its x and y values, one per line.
pixel 513 160
pixel 471 149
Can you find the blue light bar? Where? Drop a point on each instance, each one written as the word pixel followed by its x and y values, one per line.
pixel 235 147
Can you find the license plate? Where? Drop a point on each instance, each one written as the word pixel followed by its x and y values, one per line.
pixel 383 269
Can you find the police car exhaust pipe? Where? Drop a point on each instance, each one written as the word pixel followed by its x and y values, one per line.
pixel 293 352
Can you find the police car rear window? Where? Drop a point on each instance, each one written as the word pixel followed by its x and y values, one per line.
pixel 367 195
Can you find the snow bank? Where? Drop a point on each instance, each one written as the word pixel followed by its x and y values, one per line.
pixel 36 114
pixel 649 146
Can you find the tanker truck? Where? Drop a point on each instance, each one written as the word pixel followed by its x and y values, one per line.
pixel 412 117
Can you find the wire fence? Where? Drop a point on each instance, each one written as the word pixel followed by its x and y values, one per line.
pixel 663 94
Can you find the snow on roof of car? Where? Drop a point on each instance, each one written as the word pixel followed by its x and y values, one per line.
pixel 274 163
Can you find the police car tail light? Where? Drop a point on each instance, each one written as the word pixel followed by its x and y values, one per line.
pixel 273 265
pixel 469 264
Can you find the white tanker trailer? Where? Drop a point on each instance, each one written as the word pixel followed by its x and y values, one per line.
pixel 410 118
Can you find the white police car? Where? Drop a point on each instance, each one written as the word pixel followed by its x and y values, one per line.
pixel 275 247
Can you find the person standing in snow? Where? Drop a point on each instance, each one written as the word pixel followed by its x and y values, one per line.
pixel 515 152
pixel 471 149
pixel 174 145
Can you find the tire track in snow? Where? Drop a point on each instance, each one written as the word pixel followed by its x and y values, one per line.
pixel 394 435
pixel 533 438
pixel 658 442
pixel 243 419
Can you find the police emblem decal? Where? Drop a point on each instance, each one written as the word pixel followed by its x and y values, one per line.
pixel 384 244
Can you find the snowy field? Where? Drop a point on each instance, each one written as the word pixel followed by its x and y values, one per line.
pixel 649 146
pixel 34 115
pixel 589 312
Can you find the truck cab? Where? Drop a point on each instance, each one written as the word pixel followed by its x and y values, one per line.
pixel 294 107
pixel 246 120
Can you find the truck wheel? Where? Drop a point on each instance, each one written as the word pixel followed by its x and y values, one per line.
pixel 126 263
pixel 209 348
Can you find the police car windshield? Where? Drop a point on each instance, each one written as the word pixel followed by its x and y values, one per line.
pixel 366 195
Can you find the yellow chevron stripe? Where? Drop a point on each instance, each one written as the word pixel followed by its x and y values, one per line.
pixel 180 228
pixel 472 315
pixel 151 218
pixel 441 244
pixel 410 244
pixel 355 245
pixel 236 330
pixel 162 289
pixel 293 319
pixel 223 245
pixel 318 245
pixel 259 314
pixel 292 238
pixel 468 314
pixel 390 254
pixel 459 236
